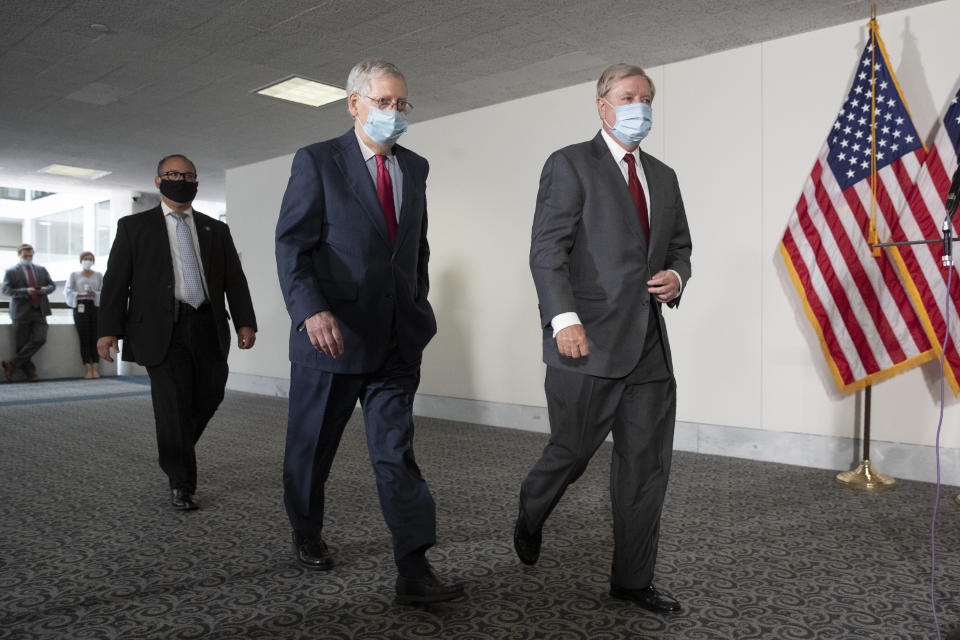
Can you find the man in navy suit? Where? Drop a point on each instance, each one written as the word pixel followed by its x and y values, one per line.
pixel 351 248
pixel 28 286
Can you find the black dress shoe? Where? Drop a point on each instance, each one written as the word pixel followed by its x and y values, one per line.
pixel 8 370
pixel 312 553
pixel 649 598
pixel 526 544
pixel 182 500
pixel 426 589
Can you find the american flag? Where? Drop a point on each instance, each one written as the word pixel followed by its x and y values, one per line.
pixel 852 294
pixel 920 265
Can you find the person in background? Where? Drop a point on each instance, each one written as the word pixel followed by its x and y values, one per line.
pixel 28 286
pixel 83 295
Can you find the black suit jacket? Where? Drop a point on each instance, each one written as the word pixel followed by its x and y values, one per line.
pixel 334 254
pixel 588 254
pixel 137 300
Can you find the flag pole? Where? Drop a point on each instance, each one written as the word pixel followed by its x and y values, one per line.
pixel 864 476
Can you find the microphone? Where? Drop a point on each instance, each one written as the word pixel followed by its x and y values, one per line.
pixel 951 207
pixel 954 194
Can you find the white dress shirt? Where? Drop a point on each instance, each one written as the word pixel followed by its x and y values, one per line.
pixel 171 222
pixel 569 318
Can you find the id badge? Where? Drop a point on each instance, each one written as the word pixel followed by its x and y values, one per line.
pixel 80 308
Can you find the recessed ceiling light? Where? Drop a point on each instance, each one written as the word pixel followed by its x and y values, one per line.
pixel 74 172
pixel 303 91
pixel 99 28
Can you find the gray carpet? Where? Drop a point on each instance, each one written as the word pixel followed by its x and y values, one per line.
pixel 89 547
pixel 69 389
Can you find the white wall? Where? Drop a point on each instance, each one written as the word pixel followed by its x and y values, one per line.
pixel 742 129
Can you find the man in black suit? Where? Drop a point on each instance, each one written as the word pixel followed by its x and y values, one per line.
pixel 610 246
pixel 168 307
pixel 28 286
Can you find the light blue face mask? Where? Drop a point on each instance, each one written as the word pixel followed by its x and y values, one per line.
pixel 385 126
pixel 633 122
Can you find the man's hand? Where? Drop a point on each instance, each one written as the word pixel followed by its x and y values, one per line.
pixel 104 345
pixel 664 286
pixel 572 341
pixel 324 333
pixel 246 336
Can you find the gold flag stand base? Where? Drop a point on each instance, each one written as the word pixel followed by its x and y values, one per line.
pixel 957 499
pixel 864 477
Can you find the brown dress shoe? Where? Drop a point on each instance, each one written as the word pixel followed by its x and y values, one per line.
pixel 8 370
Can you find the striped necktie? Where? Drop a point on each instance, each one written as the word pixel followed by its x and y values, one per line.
pixel 192 282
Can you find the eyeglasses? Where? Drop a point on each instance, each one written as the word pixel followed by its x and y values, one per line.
pixel 385 103
pixel 179 175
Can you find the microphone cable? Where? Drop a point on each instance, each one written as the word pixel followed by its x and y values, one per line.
pixel 936 503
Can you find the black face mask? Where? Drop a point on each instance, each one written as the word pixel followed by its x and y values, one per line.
pixel 179 190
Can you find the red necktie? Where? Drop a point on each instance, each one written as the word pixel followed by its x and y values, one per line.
pixel 32 282
pixel 636 190
pixel 385 195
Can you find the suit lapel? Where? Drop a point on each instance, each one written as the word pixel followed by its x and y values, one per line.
pixel 654 215
pixel 354 169
pixel 204 239
pixel 406 222
pixel 613 183
pixel 159 223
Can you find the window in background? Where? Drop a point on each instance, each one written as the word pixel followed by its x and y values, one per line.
pixel 102 223
pixel 59 236
pixel 36 195
pixel 6 193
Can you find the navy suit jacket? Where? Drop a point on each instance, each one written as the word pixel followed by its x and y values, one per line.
pixel 334 254
pixel 137 299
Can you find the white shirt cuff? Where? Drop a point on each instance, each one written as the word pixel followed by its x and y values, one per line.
pixel 680 290
pixel 563 320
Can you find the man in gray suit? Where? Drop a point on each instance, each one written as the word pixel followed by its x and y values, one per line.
pixel 610 246
pixel 28 286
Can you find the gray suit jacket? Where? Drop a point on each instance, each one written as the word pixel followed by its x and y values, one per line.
pixel 15 285
pixel 588 254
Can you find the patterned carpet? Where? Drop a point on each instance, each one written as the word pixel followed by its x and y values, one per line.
pixel 89 547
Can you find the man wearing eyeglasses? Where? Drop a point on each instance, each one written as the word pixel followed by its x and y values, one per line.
pixel 351 248
pixel 163 294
